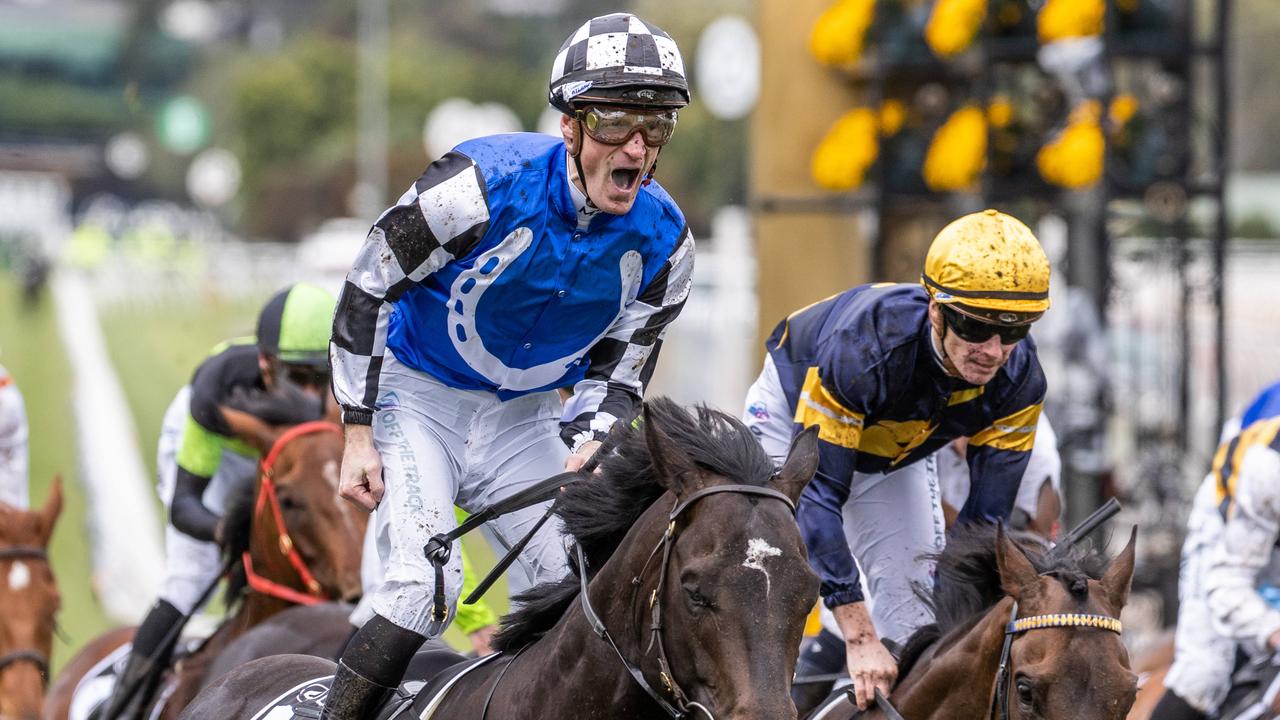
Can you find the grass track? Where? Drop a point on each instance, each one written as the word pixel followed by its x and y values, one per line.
pixel 156 346
pixel 32 352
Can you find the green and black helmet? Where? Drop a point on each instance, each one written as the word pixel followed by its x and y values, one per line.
pixel 295 324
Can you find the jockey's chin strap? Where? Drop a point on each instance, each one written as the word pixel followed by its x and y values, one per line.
pixel 267 498
pixel 1016 626
pixel 25 655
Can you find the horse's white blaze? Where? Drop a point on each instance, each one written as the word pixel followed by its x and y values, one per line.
pixel 330 473
pixel 757 550
pixel 19 576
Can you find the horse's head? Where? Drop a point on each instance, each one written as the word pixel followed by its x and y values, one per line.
pixel 1061 671
pixel 29 596
pixel 300 470
pixel 735 592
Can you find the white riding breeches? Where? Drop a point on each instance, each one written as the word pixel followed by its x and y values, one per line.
pixel 13 444
pixel 891 520
pixel 440 447
pixel 1203 659
pixel 1044 465
pixel 191 565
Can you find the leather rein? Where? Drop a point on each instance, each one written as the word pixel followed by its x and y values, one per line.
pixel 268 499
pixel 679 706
pixel 26 655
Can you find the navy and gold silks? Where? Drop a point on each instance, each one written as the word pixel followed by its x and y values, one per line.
pixel 861 366
pixel 1230 455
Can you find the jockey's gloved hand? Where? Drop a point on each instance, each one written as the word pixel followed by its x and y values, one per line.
pixel 286 404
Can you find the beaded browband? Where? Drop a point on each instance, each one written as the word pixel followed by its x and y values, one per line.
pixel 1035 622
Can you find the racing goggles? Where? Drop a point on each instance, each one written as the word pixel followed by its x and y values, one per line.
pixel 972 330
pixel 613 126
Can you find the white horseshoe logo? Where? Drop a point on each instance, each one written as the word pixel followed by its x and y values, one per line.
pixel 464 298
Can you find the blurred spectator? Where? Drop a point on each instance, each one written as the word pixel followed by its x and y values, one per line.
pixel 13 443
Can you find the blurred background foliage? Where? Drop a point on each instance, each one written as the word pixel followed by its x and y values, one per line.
pixel 279 82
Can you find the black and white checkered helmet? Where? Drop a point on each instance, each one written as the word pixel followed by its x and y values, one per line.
pixel 618 59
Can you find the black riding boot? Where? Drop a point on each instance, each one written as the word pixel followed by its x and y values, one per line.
pixel 353 696
pixel 370 668
pixel 152 648
pixel 1172 707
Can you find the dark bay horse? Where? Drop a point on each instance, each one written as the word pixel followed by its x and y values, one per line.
pixel 29 604
pixel 301 542
pixel 1052 623
pixel 694 568
pixel 321 630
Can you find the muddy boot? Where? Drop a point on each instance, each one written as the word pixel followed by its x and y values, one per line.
pixel 370 669
pixel 152 648
pixel 352 696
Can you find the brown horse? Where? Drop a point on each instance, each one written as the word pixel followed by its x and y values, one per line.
pixel 1241 702
pixel 29 598
pixel 1018 637
pixel 696 591
pixel 303 545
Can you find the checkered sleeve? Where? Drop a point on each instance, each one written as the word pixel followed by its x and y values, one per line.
pixel 441 217
pixel 623 360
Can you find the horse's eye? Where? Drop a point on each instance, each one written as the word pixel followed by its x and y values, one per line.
pixel 1026 693
pixel 289 503
pixel 696 598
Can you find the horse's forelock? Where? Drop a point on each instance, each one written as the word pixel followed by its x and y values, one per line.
pixel 969 579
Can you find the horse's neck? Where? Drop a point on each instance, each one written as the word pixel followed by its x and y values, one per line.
pixel 587 671
pixel 256 608
pixel 945 686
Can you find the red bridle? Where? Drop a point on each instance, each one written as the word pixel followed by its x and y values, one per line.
pixel 267 498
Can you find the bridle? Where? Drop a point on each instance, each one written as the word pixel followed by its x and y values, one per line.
pixel 26 655
pixel 1017 626
pixel 267 498
pixel 680 706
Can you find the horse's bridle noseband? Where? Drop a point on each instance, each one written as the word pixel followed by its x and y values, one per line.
pixel 1017 625
pixel 268 500
pixel 26 655
pixel 680 706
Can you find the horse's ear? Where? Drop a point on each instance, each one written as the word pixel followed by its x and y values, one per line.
pixel 1018 577
pixel 800 465
pixel 258 434
pixel 51 510
pixel 670 464
pixel 1115 581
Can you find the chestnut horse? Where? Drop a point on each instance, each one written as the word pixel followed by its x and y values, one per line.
pixel 1253 699
pixel 29 601
pixel 303 546
pixel 1018 637
pixel 691 598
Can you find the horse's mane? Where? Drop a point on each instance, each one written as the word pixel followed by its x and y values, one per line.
pixel 968 583
pixel 599 511
pixel 236 532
